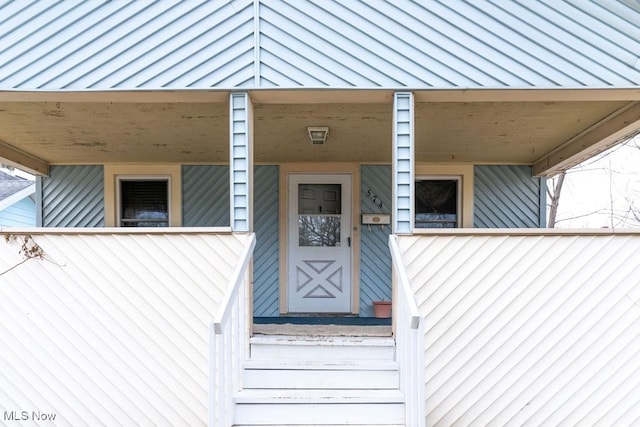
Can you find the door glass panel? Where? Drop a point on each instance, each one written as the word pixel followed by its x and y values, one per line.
pixel 319 209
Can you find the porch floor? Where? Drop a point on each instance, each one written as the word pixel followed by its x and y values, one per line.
pixel 323 330
pixel 323 320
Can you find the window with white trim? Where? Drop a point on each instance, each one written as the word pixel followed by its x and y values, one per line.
pixel 437 202
pixel 143 201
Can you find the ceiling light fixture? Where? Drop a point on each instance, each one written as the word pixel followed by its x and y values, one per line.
pixel 318 134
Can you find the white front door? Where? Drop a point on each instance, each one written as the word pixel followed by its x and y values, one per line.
pixel 319 243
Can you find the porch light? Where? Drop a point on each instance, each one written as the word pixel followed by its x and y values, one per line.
pixel 318 134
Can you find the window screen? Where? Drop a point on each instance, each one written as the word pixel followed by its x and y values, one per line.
pixel 144 203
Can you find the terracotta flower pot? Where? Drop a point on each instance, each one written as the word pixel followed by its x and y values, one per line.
pixel 382 309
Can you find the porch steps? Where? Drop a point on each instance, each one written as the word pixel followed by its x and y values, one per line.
pixel 325 381
pixel 325 348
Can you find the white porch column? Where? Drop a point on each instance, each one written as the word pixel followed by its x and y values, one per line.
pixel 241 161
pixel 403 163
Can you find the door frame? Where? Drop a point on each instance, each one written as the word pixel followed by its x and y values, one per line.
pixel 352 169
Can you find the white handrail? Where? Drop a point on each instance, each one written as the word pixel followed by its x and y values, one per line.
pixel 237 279
pixel 409 334
pixel 230 340
pixel 404 286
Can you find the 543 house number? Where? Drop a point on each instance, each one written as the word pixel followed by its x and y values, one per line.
pixel 374 198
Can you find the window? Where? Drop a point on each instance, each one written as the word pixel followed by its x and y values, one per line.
pixel 169 177
pixel 143 202
pixel 437 202
pixel 319 210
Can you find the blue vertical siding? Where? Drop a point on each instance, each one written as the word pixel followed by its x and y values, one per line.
pixel 266 262
pixel 205 196
pixel 241 161
pixel 403 162
pixel 73 196
pixel 375 259
pixel 508 197
pixel 20 214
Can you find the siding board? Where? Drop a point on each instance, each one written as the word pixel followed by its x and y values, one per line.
pixel 241 161
pixel 113 328
pixel 508 197
pixel 20 214
pixel 127 45
pixel 528 329
pixel 266 266
pixel 403 175
pixel 341 44
pixel 375 258
pixel 73 196
pixel 205 195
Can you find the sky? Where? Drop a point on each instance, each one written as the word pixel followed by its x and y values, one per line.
pixel 600 192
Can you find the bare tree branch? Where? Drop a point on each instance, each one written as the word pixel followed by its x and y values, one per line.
pixel 555 200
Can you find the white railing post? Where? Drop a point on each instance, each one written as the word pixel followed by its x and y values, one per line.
pixel 229 341
pixel 409 332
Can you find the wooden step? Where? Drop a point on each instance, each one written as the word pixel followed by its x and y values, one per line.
pixel 375 374
pixel 321 381
pixel 325 425
pixel 332 364
pixel 300 379
pixel 319 407
pixel 318 396
pixel 372 414
pixel 278 347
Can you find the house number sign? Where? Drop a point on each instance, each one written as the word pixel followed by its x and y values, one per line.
pixel 374 198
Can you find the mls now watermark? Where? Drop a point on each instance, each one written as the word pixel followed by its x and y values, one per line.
pixel 28 416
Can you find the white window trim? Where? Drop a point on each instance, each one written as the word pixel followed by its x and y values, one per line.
pixel 120 178
pixel 458 179
pixel 451 171
pixel 112 174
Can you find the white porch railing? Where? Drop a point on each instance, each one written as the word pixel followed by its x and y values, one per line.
pixel 230 341
pixel 409 333
pixel 524 327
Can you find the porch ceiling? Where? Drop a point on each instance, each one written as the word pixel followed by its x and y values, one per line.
pixel 75 132
pixel 501 132
pixel 514 132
